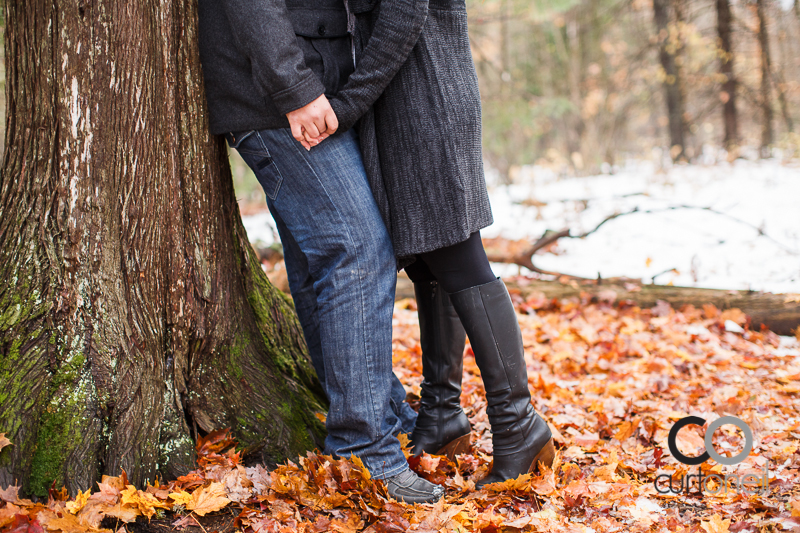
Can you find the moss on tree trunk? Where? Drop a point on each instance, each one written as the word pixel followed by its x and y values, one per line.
pixel 133 312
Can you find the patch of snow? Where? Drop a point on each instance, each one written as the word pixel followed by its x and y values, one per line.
pixel 751 240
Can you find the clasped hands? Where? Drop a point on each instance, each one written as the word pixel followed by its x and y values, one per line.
pixel 313 123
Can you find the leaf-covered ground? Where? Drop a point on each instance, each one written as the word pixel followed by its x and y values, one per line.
pixel 611 380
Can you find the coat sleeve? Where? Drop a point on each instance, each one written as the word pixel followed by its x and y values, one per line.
pixel 264 33
pixel 393 37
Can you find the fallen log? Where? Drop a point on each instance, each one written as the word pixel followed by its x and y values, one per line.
pixel 778 312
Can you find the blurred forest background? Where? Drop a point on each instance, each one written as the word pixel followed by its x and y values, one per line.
pixel 581 85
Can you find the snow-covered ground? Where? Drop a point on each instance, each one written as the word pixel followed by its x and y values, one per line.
pixel 752 241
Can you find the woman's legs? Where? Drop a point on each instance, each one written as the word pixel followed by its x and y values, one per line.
pixel 457 267
pixel 442 427
pixel 520 437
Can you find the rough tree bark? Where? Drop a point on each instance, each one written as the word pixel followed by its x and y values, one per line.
pixel 728 95
pixel 672 82
pixel 133 312
pixel 767 135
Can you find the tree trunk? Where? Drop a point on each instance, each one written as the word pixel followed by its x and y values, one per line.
pixel 797 10
pixel 728 95
pixel 766 103
pixel 672 82
pixel 136 314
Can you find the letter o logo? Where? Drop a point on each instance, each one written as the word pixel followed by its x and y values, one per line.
pixel 710 452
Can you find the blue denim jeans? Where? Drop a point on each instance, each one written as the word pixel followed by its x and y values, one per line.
pixel 341 269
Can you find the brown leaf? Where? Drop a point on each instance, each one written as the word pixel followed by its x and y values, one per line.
pixel 428 463
pixel 237 487
pixel 124 513
pixel 108 494
pixel 259 477
pixel 65 523
pixel 4 441
pixel 93 513
pixel 735 315
pixel 545 483
pixel 10 494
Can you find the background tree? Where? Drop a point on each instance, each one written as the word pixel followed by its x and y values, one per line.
pixel 767 134
pixel 578 85
pixel 728 93
pixel 133 313
pixel 668 45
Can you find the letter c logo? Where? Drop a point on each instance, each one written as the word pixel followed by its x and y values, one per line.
pixel 710 452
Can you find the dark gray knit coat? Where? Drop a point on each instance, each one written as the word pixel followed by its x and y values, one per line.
pixel 421 142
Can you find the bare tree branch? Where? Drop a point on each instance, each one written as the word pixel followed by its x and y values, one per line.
pixel 525 257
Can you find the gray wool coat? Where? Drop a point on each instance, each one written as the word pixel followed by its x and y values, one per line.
pixel 421 141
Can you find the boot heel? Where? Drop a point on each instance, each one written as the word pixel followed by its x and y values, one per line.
pixel 456 447
pixel 546 456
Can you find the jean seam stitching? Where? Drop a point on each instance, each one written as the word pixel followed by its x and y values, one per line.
pixel 360 272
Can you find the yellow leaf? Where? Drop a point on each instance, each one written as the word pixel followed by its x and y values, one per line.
pixel 4 441
pixel 208 499
pixel 364 472
pixel 405 444
pixel 521 482
pixel 716 525
pixel 80 501
pixel 144 502
pixel 181 498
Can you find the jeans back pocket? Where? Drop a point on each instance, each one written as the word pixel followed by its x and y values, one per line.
pixel 254 151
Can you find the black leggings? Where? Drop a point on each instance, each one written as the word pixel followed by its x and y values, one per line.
pixel 457 267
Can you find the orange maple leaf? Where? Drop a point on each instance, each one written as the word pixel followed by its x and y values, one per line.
pixel 716 525
pixel 208 499
pixel 144 502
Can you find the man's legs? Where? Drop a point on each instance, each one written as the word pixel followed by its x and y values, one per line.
pixel 324 202
pixel 305 302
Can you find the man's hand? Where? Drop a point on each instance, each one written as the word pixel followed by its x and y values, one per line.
pixel 313 123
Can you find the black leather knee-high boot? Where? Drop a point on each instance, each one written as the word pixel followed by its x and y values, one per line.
pixel 521 439
pixel 442 426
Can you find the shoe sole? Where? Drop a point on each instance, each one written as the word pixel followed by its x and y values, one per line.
pixel 456 447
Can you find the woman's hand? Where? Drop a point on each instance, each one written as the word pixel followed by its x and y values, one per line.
pixel 313 123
